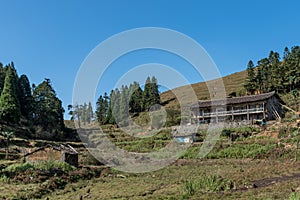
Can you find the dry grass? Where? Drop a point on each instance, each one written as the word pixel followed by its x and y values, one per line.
pixel 232 83
pixel 169 183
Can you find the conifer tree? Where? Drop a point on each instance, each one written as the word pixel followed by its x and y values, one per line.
pixel 9 103
pixel 150 94
pixel 155 92
pixel 250 85
pixel 124 106
pixel 276 75
pixel 110 117
pixel 25 97
pixel 135 102
pixel 115 104
pixel 2 77
pixel 90 112
pixel 100 110
pixel 146 99
pixel 48 107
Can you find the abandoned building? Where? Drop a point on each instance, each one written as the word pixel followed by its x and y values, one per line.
pixel 53 153
pixel 246 108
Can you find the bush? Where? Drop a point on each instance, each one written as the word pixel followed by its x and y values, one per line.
pixel 294 196
pixel 46 165
pixel 212 183
pixel 4 178
pixel 18 167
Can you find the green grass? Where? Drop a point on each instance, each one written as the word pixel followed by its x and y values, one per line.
pixel 294 196
pixel 211 179
pixel 212 183
pixel 247 148
pixel 242 151
pixel 47 165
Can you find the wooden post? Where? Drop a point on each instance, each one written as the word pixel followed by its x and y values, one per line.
pixel 217 120
pixel 248 118
pixel 232 116
pixel 264 112
pixel 297 147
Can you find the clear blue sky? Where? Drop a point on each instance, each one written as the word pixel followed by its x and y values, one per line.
pixel 51 38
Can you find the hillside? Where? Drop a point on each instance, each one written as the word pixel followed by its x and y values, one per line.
pixel 233 83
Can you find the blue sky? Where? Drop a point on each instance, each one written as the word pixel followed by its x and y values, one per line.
pixel 50 39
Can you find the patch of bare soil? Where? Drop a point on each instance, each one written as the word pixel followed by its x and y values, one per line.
pixel 270 181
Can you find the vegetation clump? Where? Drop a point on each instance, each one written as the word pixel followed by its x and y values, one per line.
pixel 212 183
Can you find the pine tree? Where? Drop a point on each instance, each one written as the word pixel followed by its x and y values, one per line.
pixel 276 77
pixel 2 77
pixel 115 103
pixel 100 110
pixel 25 97
pixel 136 95
pixel 90 112
pixel 263 64
pixel 250 85
pixel 106 102
pixel 49 110
pixel 9 103
pixel 150 94
pixel 84 113
pixel 146 100
pixel 124 106
pixel 155 92
pixel 110 117
pixel 76 114
pixel 286 53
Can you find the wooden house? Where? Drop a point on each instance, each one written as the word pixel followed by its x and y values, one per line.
pixel 53 153
pixel 246 108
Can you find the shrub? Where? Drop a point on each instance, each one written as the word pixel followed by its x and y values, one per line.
pixel 46 165
pixel 212 183
pixel 294 196
pixel 4 178
pixel 18 167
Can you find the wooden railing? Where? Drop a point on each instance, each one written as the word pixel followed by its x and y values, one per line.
pixel 232 112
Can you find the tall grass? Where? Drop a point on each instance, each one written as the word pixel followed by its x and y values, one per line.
pixel 212 183
pixel 294 196
pixel 46 165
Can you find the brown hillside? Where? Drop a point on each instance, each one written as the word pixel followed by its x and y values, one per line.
pixel 232 83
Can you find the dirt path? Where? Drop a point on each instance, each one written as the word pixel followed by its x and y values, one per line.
pixel 270 181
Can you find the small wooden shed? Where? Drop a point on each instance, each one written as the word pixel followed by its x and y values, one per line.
pixel 64 153
pixel 185 138
pixel 184 134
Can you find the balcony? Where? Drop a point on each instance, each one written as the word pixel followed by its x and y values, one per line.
pixel 232 112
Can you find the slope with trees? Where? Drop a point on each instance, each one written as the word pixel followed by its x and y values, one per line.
pixel 275 74
pixel 32 110
pixel 127 101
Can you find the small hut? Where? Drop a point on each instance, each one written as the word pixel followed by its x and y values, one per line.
pixel 184 134
pixel 53 153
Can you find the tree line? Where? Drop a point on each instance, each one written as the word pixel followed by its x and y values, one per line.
pixel 275 74
pixel 132 100
pixel 23 104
